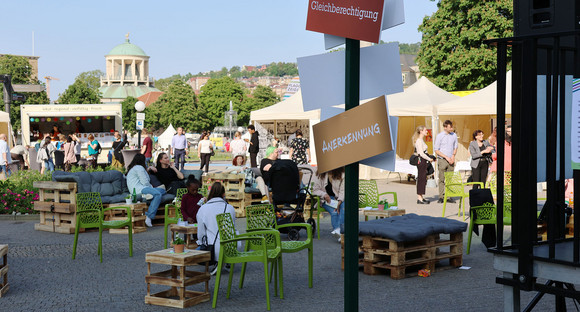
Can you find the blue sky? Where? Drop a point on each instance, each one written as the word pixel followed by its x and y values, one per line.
pixel 180 36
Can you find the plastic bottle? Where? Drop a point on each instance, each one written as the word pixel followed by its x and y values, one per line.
pixel 134 197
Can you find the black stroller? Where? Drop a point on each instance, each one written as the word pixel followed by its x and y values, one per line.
pixel 289 196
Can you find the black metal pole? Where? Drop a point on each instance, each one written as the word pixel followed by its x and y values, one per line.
pixel 139 139
pixel 352 84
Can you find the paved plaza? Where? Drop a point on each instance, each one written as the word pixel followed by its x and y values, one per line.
pixel 43 277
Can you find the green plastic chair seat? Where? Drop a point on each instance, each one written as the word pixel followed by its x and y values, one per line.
pixel 90 214
pixel 229 254
pixel 454 187
pixel 261 216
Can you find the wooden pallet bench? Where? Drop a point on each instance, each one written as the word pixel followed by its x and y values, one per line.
pixel 137 217
pixel 402 258
pixel 57 206
pixel 4 270
pixel 234 185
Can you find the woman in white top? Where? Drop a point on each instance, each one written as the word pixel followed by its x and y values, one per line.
pixel 424 159
pixel 238 145
pixel 204 149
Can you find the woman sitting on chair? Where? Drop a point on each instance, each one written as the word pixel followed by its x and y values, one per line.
pixel 138 182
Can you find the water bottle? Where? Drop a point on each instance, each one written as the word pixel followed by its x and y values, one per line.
pixel 201 201
pixel 134 197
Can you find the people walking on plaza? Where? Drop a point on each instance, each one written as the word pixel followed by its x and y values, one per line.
pixel 179 148
pixel 480 151
pixel 424 162
pixel 138 182
pixel 299 149
pixel 147 147
pixel 45 155
pixel 20 153
pixel 204 149
pixel 238 146
pixel 254 146
pixel 206 218
pixel 69 153
pixel 329 186
pixel 445 148
pixel 5 157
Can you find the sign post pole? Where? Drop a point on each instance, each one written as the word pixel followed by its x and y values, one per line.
pixel 352 90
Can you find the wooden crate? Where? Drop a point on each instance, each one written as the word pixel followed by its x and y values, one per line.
pixel 360 257
pixel 239 205
pixel 57 206
pixel 252 198
pixel 402 258
pixel 4 270
pixel 137 217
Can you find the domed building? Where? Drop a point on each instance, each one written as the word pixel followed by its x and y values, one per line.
pixel 127 73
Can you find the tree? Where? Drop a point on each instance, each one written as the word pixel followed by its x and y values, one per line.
pixel 179 107
pixel 452 52
pixel 163 83
pixel 261 97
pixel 21 71
pixel 91 79
pixel 216 95
pixel 79 93
pixel 129 113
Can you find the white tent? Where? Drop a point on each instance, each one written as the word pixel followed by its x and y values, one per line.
pixel 5 126
pixel 289 109
pixel 164 140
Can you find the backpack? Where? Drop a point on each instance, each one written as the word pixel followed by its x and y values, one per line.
pixel 99 148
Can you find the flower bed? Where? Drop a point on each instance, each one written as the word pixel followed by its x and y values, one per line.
pixel 17 195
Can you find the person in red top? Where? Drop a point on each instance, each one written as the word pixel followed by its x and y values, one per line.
pixel 147 147
pixel 190 200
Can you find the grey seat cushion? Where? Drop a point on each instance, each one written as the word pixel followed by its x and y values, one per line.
pixel 111 184
pixel 410 227
pixel 196 173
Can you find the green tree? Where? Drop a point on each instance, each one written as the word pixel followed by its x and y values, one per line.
pixel 179 107
pixel 91 78
pixel 261 97
pixel 216 95
pixel 21 71
pixel 163 83
pixel 452 52
pixel 129 113
pixel 79 93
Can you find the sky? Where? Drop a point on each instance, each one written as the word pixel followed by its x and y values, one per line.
pixel 72 37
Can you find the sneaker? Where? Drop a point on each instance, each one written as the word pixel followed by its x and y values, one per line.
pixel 213 270
pixel 265 200
pixel 450 200
pixel 336 232
pixel 148 222
pixel 339 239
pixel 440 201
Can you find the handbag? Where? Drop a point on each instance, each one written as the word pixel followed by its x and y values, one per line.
pixel 212 153
pixel 211 248
pixel 414 160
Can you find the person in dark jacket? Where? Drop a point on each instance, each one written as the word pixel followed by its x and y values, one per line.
pixel 254 146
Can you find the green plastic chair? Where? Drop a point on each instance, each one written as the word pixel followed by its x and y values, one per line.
pixel 177 206
pixel 262 217
pixel 90 214
pixel 319 210
pixel 487 214
pixel 229 254
pixel 454 187
pixel 369 190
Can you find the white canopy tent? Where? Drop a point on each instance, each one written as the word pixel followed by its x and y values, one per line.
pixel 164 140
pixel 5 127
pixel 289 109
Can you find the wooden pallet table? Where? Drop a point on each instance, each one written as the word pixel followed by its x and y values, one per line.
pixel 57 206
pixel 383 213
pixel 137 217
pixel 4 270
pixel 177 277
pixel 187 231
pixel 382 254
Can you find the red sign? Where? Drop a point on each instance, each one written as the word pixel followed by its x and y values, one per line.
pixel 352 19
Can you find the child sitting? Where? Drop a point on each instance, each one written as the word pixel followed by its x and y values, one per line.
pixel 190 201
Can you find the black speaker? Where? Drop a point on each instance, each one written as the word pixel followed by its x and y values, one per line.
pixel 533 17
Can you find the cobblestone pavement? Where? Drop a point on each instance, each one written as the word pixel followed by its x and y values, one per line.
pixel 43 277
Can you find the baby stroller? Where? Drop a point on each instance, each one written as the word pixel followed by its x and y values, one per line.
pixel 288 196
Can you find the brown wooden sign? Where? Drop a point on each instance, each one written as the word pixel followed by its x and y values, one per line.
pixel 354 135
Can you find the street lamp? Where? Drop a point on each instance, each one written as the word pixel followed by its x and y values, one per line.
pixel 139 107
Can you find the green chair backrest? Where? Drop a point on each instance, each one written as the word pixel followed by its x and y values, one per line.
pixel 453 184
pixel 180 192
pixel 227 231
pixel 370 191
pixel 486 214
pixel 90 207
pixel 179 195
pixel 262 216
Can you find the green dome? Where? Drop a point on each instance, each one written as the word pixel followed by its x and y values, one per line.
pixel 127 48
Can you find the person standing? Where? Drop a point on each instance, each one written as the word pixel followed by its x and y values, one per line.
pixel 77 147
pixel 118 146
pixel 424 160
pixel 445 149
pixel 69 153
pixel 299 149
pixel 147 147
pixel 246 136
pixel 238 146
pixel 45 155
pixel 204 149
pixel 93 148
pixel 5 158
pixel 179 148
pixel 480 151
pixel 254 146
pixel 20 153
